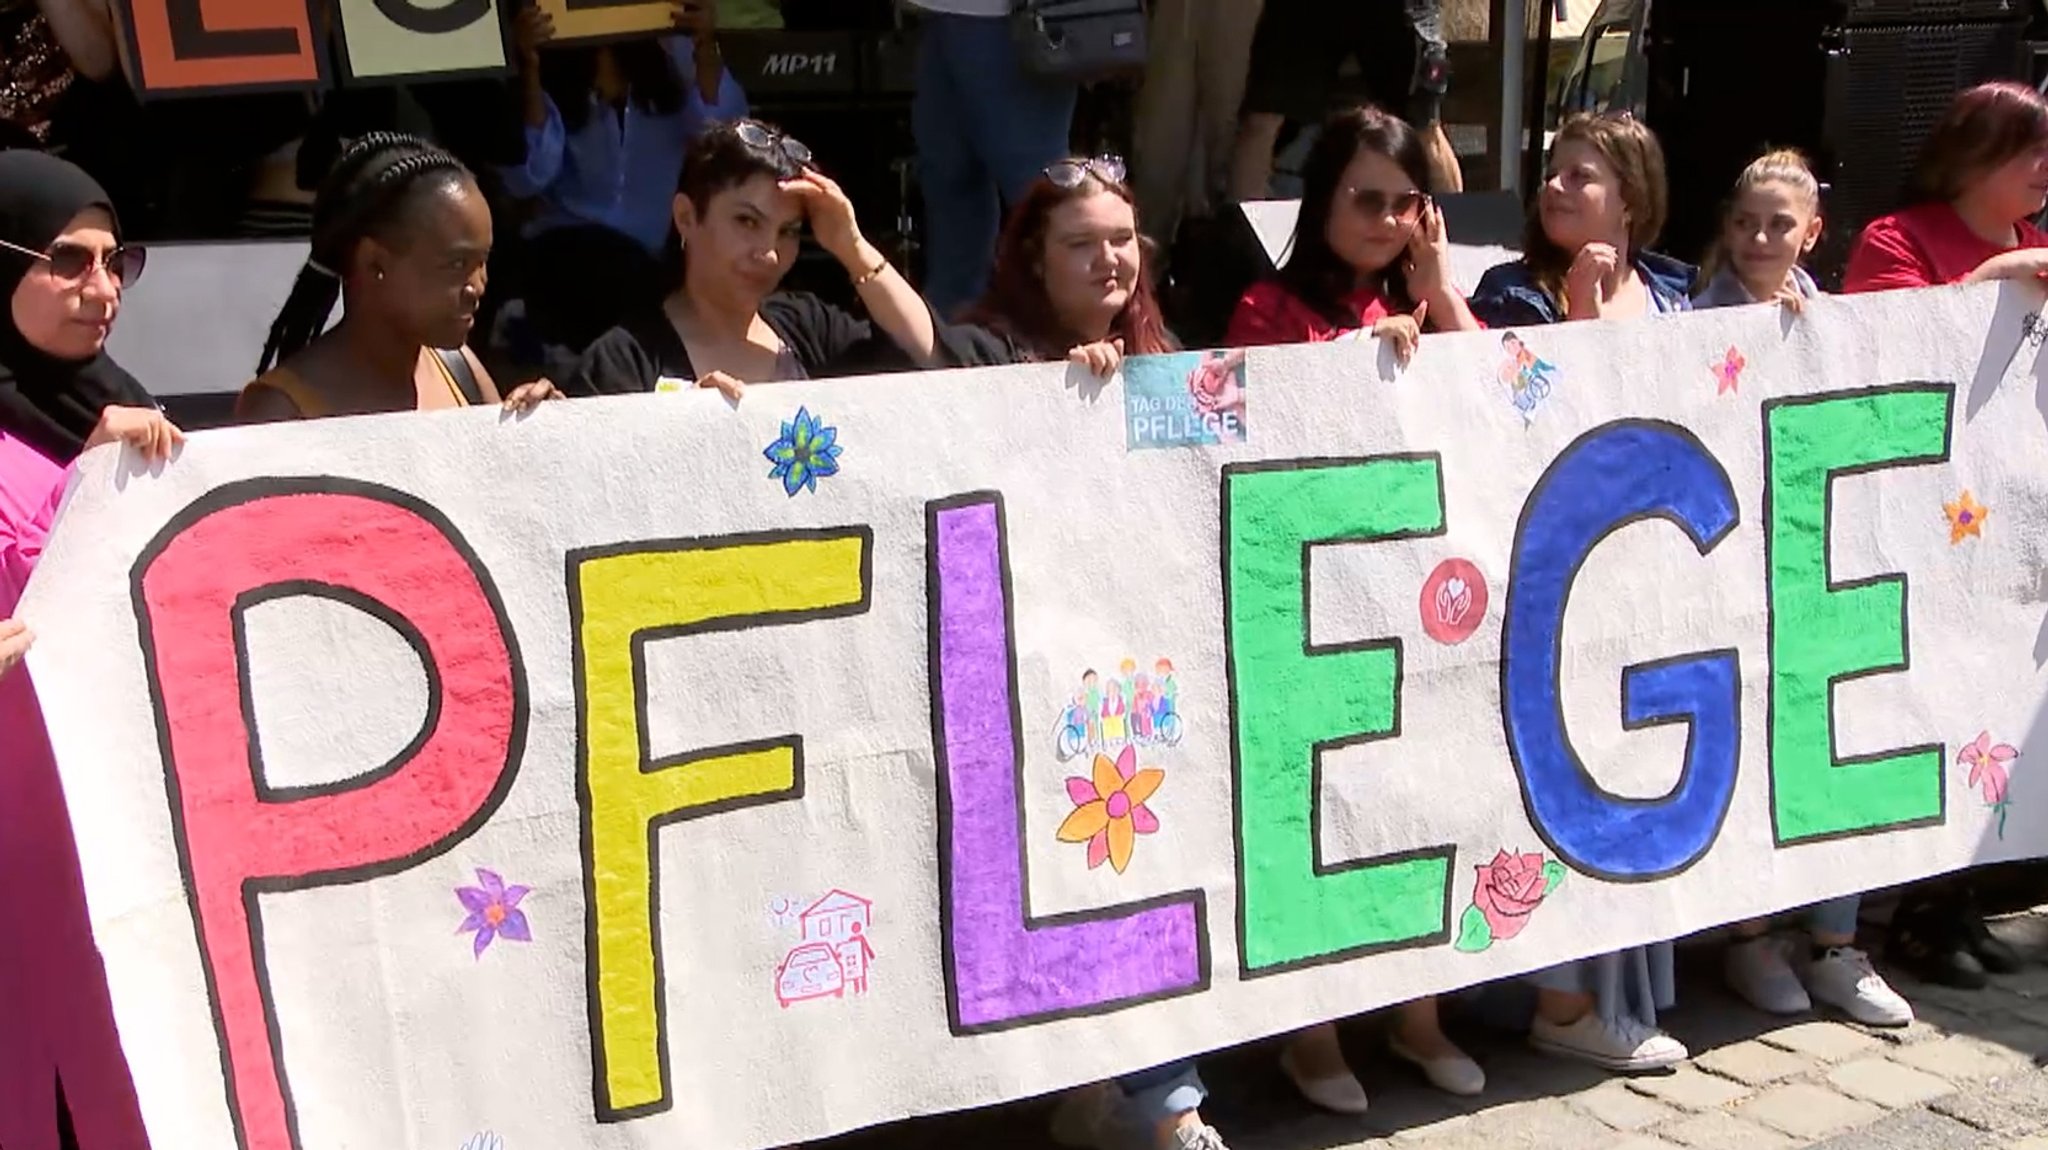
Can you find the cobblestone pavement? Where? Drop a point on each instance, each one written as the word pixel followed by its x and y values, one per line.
pixel 1966 1076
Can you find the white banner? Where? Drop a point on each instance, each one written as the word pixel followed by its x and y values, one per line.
pixel 651 773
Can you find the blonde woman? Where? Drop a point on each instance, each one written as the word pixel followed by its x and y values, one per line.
pixel 1772 221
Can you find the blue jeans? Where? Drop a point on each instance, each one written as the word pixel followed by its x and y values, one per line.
pixel 984 129
pixel 1835 916
pixel 1163 1092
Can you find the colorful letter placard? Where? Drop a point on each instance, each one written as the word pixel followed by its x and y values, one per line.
pixel 200 47
pixel 397 40
pixel 607 19
pixel 647 772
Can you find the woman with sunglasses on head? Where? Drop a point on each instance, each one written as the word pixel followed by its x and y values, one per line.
pixel 63 267
pixel 401 235
pixel 1369 253
pixel 746 192
pixel 1070 280
pixel 1587 257
pixel 1070 284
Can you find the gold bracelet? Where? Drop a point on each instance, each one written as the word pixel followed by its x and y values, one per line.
pixel 867 278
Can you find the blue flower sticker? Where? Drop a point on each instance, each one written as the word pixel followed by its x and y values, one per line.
pixel 806 451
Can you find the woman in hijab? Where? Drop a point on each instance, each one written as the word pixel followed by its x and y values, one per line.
pixel 62 268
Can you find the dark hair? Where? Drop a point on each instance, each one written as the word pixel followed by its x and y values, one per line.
pixel 373 187
pixel 1631 148
pixel 653 85
pixel 719 159
pixel 1314 273
pixel 1016 303
pixel 1983 128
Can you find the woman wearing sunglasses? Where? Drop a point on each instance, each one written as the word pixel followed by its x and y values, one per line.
pixel 746 192
pixel 1369 256
pixel 62 266
pixel 1369 252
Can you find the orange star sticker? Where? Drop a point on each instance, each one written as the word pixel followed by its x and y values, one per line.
pixel 1965 517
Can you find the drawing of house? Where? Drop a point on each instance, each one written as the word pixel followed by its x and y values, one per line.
pixel 831 919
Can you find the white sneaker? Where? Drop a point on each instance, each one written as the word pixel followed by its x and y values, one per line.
pixel 1625 1044
pixel 1452 1073
pixel 1756 969
pixel 1844 979
pixel 1338 1093
pixel 1200 1136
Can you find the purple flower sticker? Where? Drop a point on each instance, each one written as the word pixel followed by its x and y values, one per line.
pixel 493 910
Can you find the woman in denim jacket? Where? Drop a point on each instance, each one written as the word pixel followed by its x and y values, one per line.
pixel 1586 249
pixel 1586 257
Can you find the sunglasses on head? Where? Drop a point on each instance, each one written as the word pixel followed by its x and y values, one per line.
pixel 72 263
pixel 1069 174
pixel 1402 206
pixel 787 151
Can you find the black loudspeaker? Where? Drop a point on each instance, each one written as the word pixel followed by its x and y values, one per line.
pixel 1856 85
pixel 1886 90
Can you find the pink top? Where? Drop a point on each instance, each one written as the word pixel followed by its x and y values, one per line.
pixel 55 1017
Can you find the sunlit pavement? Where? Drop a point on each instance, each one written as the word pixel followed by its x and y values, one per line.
pixel 1965 1076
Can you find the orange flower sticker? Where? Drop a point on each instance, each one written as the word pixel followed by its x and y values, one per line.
pixel 1109 809
pixel 1965 518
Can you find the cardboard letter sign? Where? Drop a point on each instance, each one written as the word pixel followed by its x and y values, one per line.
pixel 206 47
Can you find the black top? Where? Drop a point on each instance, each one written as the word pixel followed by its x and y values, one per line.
pixel 826 340
pixel 976 345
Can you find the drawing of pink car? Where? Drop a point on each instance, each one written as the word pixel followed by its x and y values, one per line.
pixel 809 971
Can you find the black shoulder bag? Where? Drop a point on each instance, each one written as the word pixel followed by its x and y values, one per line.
pixel 1079 40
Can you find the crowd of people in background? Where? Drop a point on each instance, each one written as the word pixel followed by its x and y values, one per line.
pixel 664 220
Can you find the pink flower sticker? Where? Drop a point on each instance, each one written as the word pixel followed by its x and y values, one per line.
pixel 1989 772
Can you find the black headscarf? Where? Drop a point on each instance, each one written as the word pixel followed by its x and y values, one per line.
pixel 51 404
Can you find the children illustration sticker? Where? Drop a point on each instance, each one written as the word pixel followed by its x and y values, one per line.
pixel 1453 601
pixel 1130 707
pixel 1528 378
pixel 1109 809
pixel 834 955
pixel 1507 891
pixel 1191 399
pixel 1990 772
pixel 806 452
pixel 1728 372
pixel 493 911
pixel 1965 518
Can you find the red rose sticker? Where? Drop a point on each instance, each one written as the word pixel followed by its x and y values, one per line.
pixel 1506 892
pixel 1453 601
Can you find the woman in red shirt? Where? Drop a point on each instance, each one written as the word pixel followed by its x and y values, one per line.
pixel 1982 178
pixel 1369 253
pixel 1368 257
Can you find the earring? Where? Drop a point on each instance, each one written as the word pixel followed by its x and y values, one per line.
pixel 380 275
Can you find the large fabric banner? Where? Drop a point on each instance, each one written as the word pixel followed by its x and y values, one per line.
pixel 653 772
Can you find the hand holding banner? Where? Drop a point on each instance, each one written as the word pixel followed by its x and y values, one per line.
pixel 898 745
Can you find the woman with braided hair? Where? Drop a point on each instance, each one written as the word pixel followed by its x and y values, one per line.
pixel 400 237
